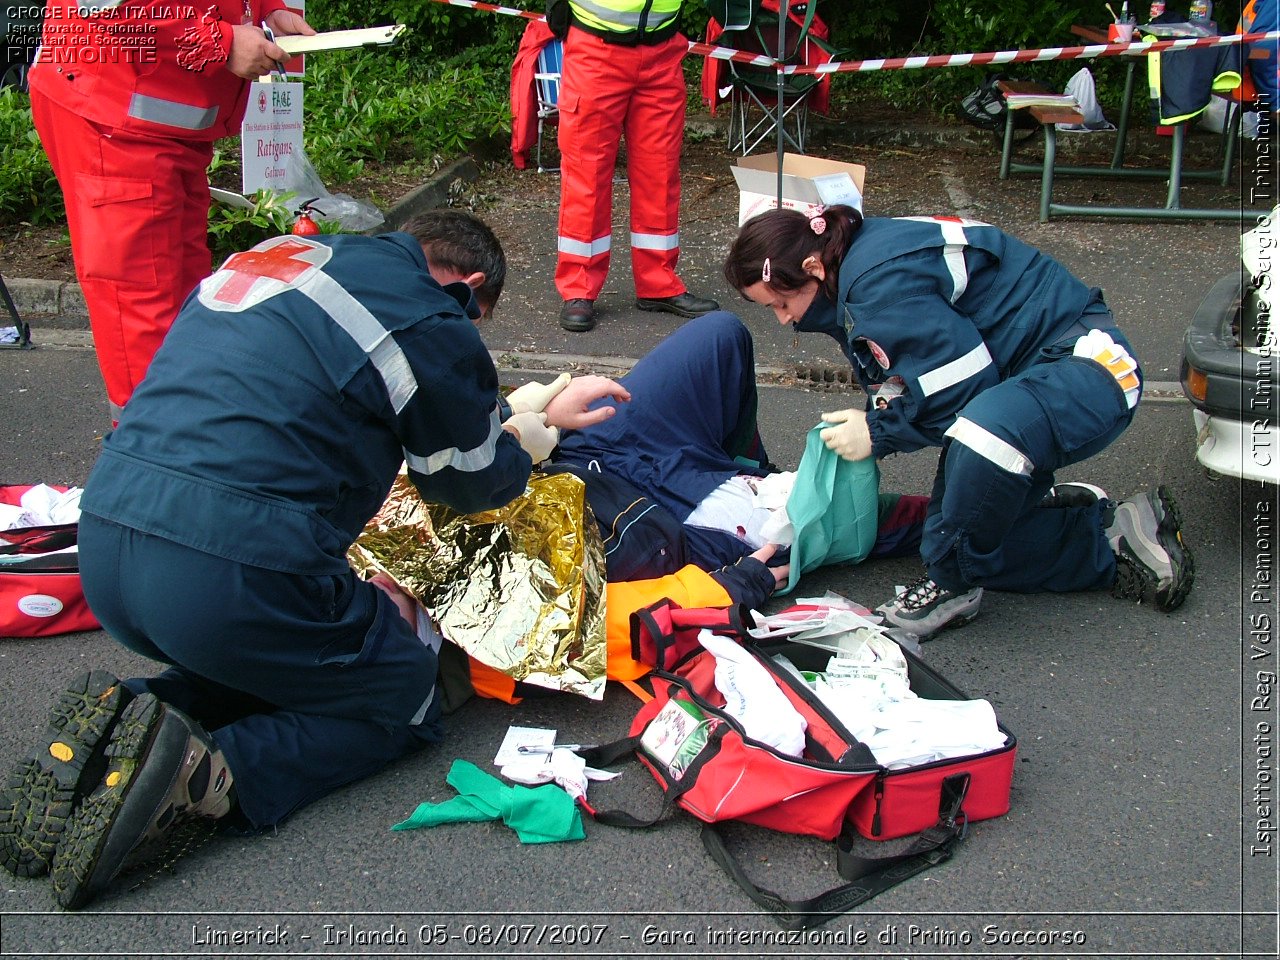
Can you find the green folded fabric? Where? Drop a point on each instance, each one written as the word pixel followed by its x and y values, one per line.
pixel 834 509
pixel 542 814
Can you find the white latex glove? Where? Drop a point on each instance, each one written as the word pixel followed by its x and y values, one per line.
pixel 849 435
pixel 534 397
pixel 1098 346
pixel 536 438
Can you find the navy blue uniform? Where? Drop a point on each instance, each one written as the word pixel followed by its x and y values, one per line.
pixel 973 332
pixel 267 432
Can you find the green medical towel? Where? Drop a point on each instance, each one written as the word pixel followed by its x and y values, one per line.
pixel 542 814
pixel 834 509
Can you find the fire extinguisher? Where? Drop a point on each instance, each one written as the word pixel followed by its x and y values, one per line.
pixel 304 226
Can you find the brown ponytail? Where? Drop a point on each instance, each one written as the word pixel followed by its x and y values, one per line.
pixel 786 238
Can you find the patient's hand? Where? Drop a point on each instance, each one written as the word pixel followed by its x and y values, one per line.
pixel 568 409
pixel 780 574
pixel 399 596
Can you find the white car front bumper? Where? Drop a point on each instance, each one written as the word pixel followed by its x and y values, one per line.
pixel 1238 449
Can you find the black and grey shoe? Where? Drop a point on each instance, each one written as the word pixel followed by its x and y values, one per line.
pixel 44 789
pixel 1153 564
pixel 1073 495
pixel 924 608
pixel 163 773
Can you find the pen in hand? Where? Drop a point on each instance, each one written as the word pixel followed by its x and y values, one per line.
pixel 270 35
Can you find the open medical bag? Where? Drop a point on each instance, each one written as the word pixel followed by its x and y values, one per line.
pixel 40 593
pixel 707 766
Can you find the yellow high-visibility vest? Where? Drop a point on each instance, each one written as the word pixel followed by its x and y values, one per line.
pixel 626 17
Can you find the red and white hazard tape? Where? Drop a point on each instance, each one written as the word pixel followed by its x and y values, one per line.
pixel 1040 55
pixel 1022 56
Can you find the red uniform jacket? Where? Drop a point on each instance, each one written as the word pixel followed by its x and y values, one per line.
pixel 524 100
pixel 148 66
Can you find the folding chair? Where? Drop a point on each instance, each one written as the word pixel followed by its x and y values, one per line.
pixel 753 91
pixel 547 86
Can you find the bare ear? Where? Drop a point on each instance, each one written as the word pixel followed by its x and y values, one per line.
pixel 813 266
pixel 474 280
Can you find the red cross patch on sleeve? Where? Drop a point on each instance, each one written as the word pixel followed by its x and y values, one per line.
pixel 272 267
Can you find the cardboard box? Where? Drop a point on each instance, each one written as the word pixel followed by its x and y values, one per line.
pixel 806 183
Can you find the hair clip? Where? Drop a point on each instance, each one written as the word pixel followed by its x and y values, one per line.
pixel 817 222
pixel 765 272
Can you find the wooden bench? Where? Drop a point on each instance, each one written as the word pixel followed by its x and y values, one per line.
pixel 1048 118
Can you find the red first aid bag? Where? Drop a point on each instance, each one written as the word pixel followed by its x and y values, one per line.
pixel 706 764
pixel 40 592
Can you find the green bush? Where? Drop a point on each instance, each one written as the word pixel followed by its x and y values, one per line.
pixel 372 107
pixel 28 191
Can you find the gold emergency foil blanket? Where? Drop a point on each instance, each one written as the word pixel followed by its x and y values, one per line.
pixel 521 588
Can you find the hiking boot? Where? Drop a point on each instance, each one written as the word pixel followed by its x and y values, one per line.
pixel 924 608
pixel 1152 562
pixel 682 304
pixel 578 316
pixel 44 789
pixel 163 774
pixel 1073 495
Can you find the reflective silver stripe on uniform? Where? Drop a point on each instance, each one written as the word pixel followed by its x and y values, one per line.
pixel 619 17
pixel 954 242
pixel 368 333
pixel 467 461
pixel 422 710
pixel 171 113
pixel 987 445
pixel 432 641
pixel 957 371
pixel 116 410
pixel 656 241
pixel 579 249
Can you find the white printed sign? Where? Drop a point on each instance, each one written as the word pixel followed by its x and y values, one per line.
pixel 270 134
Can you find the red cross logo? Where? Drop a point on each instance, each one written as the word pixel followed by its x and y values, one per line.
pixel 280 262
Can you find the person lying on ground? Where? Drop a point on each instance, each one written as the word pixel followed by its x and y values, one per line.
pixel 669 480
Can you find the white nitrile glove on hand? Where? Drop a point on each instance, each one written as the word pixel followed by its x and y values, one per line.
pixel 849 436
pixel 1098 346
pixel 536 438
pixel 534 397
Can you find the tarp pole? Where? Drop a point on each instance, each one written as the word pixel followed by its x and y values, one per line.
pixel 783 12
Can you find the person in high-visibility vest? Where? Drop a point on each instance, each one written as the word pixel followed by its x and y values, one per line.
pixel 128 102
pixel 622 76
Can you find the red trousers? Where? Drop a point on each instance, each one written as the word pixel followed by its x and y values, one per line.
pixel 608 91
pixel 137 210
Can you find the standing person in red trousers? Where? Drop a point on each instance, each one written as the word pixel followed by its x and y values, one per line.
pixel 622 75
pixel 128 101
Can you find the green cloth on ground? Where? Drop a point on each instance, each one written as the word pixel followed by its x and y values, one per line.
pixel 542 814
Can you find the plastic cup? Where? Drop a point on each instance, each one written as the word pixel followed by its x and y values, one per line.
pixel 1121 31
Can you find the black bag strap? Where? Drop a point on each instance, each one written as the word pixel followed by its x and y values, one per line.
pixel 607 754
pixel 868 876
pixel 620 750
